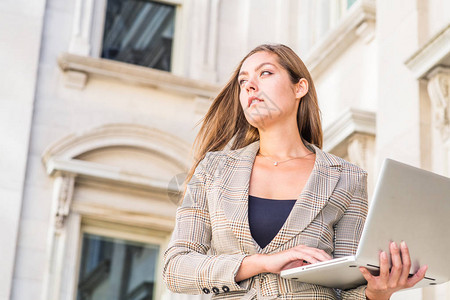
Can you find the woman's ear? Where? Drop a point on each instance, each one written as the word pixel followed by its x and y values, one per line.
pixel 301 88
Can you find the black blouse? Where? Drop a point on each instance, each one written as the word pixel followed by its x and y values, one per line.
pixel 266 217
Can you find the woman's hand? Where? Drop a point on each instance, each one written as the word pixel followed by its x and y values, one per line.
pixel 274 263
pixel 294 257
pixel 383 286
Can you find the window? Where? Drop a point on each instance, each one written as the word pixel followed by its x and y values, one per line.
pixel 337 10
pixel 350 3
pixel 116 269
pixel 139 32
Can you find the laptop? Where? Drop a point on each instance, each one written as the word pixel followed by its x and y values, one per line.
pixel 408 204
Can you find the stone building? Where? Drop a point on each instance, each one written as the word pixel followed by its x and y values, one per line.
pixel 99 102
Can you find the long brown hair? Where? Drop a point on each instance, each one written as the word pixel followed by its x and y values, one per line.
pixel 225 119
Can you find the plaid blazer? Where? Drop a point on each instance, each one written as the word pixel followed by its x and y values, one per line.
pixel 212 235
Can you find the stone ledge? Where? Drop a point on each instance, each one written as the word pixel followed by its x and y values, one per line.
pixel 139 223
pixel 434 53
pixel 80 68
pixel 109 174
pixel 351 121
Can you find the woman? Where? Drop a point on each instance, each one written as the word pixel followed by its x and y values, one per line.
pixel 264 197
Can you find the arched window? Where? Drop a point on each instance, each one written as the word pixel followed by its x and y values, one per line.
pixel 113 211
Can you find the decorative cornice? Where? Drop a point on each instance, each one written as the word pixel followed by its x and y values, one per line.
pixel 108 174
pixel 433 53
pixel 358 23
pixel 61 157
pixel 351 121
pixel 133 74
pixel 118 134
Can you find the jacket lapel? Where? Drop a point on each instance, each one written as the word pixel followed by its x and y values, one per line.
pixel 235 187
pixel 319 187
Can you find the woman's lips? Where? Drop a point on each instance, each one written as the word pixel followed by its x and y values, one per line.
pixel 251 99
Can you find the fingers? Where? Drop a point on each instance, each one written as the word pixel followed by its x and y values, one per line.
pixel 293 264
pixel 369 277
pixel 296 256
pixel 397 266
pixel 304 256
pixel 384 266
pixel 395 278
pixel 420 274
pixel 406 260
pixel 312 255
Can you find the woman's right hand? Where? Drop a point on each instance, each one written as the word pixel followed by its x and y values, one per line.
pixel 294 257
pixel 276 262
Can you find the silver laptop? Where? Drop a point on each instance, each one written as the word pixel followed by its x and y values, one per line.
pixel 409 204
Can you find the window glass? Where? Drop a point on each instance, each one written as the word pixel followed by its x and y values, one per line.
pixel 139 32
pixel 350 3
pixel 115 269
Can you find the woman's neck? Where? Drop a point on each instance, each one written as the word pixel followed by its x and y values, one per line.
pixel 281 144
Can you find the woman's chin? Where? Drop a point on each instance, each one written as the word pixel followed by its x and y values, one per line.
pixel 260 121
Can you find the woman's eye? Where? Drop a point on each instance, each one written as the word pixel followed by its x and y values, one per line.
pixel 263 72
pixel 241 82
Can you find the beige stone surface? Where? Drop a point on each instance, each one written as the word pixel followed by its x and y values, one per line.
pixel 118 187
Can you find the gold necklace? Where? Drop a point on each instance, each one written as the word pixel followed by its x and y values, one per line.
pixel 275 163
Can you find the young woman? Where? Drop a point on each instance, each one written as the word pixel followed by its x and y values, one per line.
pixel 263 196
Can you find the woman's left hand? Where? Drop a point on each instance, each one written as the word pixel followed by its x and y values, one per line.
pixel 383 286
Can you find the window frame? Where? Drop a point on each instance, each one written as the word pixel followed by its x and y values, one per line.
pixel 338 10
pixel 127 233
pixel 89 22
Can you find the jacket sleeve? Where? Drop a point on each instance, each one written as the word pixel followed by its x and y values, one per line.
pixel 348 232
pixel 187 267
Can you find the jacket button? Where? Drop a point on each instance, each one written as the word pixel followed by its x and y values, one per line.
pixel 215 290
pixel 225 289
pixel 206 291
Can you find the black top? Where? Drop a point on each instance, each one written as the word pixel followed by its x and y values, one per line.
pixel 266 217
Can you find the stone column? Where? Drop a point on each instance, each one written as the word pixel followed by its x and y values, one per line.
pixel 204 39
pixel 62 200
pixel 81 35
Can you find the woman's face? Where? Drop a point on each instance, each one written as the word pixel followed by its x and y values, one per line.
pixel 267 94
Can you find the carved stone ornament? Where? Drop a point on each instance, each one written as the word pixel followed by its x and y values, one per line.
pixel 64 189
pixel 439 91
pixel 359 146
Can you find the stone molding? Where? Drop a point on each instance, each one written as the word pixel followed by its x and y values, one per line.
pixel 129 73
pixel 351 121
pixel 352 136
pixel 431 54
pixel 61 157
pixel 101 214
pixel 358 23
pixel 64 187
pixel 117 134
pixel 108 174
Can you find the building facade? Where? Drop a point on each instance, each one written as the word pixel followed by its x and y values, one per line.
pixel 100 101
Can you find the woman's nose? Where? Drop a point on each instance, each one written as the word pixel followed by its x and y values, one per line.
pixel 251 85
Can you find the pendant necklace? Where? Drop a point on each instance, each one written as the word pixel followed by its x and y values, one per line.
pixel 275 163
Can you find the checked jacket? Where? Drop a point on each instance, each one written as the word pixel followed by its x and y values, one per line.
pixel 212 235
